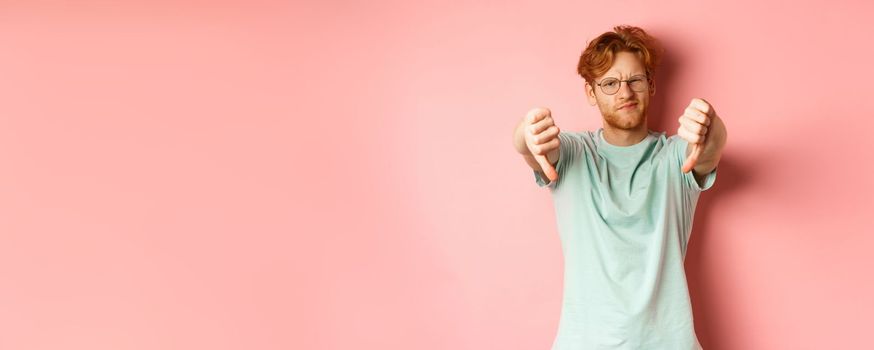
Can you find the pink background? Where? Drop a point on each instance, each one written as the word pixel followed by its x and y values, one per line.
pixel 340 175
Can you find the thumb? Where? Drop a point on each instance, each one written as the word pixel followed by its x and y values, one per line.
pixel 547 168
pixel 693 157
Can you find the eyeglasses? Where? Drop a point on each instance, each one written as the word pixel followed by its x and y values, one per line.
pixel 611 85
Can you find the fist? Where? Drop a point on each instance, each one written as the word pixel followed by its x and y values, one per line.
pixel 541 137
pixel 694 126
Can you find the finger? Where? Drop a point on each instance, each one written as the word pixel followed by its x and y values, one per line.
pixel 694 127
pixel 544 148
pixel 540 153
pixel 701 105
pixel 538 127
pixel 547 135
pixel 536 115
pixel 696 115
pixel 547 168
pixel 693 157
pixel 690 136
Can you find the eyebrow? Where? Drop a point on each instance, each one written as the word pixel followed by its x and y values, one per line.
pixel 632 75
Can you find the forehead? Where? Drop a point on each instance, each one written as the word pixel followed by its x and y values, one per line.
pixel 625 64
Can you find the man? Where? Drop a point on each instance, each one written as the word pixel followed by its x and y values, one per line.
pixel 624 198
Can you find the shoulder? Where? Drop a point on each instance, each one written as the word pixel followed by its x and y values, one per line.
pixel 579 139
pixel 577 135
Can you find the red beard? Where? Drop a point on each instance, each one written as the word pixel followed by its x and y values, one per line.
pixel 627 119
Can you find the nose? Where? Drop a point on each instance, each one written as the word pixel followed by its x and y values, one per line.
pixel 625 90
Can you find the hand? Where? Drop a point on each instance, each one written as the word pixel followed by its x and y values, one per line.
pixel 694 126
pixel 541 137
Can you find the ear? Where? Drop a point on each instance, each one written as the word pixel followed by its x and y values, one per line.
pixel 652 87
pixel 590 94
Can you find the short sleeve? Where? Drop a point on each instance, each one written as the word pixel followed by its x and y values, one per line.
pixel 689 181
pixel 569 147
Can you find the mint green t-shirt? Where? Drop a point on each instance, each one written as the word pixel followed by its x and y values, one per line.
pixel 624 215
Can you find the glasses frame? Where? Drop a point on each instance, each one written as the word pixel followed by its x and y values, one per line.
pixel 627 82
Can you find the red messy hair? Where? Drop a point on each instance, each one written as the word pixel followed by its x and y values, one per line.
pixel 600 53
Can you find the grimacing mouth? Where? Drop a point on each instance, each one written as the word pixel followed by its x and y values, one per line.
pixel 627 104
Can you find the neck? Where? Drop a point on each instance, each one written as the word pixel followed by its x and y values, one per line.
pixel 621 137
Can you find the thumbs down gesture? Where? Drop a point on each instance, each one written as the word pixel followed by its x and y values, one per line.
pixel 704 131
pixel 541 138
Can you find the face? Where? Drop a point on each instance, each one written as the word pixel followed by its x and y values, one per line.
pixel 626 109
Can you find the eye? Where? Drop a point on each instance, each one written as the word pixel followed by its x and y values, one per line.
pixel 610 83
